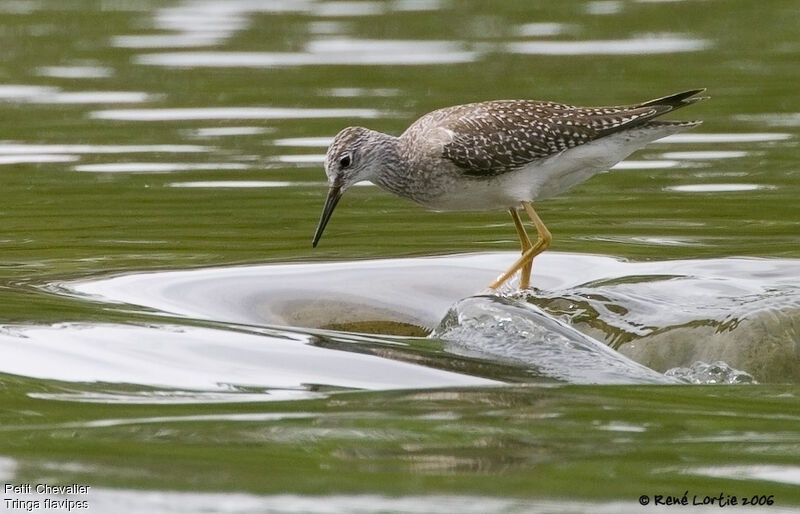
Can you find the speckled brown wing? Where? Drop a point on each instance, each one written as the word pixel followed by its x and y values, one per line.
pixel 502 136
pixel 492 138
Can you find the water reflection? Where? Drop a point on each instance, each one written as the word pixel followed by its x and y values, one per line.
pixel 35 158
pixel 541 29
pixel 782 474
pixel 33 148
pixel 53 95
pixel 663 314
pixel 205 23
pixel 158 167
pixel 654 241
pixel 231 113
pixel 744 137
pixel 304 141
pixel 20 92
pixel 169 40
pixel 777 119
pixel 705 154
pixel 358 92
pixel 78 71
pixel 213 184
pixel 200 23
pixel 199 359
pixel 22 153
pixel 19 6
pixel 211 132
pixel 105 395
pixel 603 7
pixel 322 53
pixel 717 188
pixel 302 159
pixel 655 164
pixel 92 97
pixel 657 44
pixel 349 51
pixel 245 417
pixel 345 8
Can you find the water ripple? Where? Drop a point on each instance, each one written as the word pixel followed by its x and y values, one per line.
pixel 717 188
pixel 744 137
pixel 54 95
pixel 78 71
pixel 7 148
pixel 662 314
pixel 231 113
pixel 659 44
pixel 322 53
pixel 158 167
pixel 201 359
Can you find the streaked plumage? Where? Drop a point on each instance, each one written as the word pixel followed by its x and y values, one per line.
pixel 492 138
pixel 496 154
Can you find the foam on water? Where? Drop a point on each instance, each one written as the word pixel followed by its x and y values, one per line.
pixel 716 373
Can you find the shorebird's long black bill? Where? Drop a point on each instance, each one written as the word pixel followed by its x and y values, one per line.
pixel 334 193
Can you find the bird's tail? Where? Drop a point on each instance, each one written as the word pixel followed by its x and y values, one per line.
pixel 676 101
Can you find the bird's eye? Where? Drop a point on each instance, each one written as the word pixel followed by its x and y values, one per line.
pixel 345 161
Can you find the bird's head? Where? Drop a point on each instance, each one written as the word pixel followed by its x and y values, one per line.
pixel 353 156
pixel 350 158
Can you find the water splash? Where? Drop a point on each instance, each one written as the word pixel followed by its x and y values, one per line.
pixel 715 373
pixel 515 331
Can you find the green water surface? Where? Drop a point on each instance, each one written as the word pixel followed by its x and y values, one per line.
pixel 59 221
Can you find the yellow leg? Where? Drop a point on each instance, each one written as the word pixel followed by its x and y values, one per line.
pixel 525 243
pixel 543 240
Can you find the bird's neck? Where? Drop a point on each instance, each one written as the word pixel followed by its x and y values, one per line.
pixel 390 168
